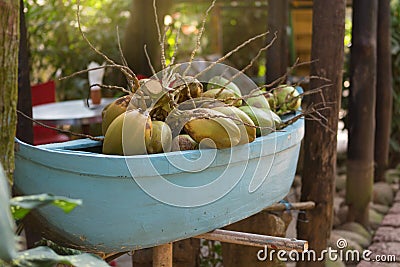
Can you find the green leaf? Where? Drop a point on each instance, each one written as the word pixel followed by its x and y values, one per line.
pixel 45 257
pixel 20 206
pixel 8 245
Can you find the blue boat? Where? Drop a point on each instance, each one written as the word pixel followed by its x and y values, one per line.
pixel 143 201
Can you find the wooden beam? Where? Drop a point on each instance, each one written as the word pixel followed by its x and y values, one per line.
pixel 308 205
pixel 255 240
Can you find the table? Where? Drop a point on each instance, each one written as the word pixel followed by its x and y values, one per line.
pixel 72 112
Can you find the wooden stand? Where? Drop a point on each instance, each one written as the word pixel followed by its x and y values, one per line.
pixel 162 255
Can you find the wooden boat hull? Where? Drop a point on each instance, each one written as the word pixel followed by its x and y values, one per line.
pixel 117 215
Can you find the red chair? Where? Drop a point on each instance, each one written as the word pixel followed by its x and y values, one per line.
pixel 42 94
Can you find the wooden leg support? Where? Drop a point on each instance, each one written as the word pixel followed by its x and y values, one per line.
pixel 162 255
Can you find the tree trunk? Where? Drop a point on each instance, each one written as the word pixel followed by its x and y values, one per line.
pixel 360 154
pixel 383 91
pixel 24 127
pixel 9 40
pixel 142 31
pixel 320 143
pixel 278 53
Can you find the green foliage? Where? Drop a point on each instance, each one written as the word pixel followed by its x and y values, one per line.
pixel 8 244
pixel 188 18
pixel 237 23
pixel 240 23
pixel 57 47
pixel 45 257
pixel 40 256
pixel 210 253
pixel 20 206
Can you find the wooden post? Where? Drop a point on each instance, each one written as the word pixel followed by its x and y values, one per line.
pixel 318 177
pixel 278 53
pixel 360 154
pixel 162 255
pixel 24 126
pixel 383 91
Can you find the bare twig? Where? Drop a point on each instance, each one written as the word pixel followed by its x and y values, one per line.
pixel 284 76
pixel 315 115
pixel 316 90
pixel 166 29
pixel 308 92
pixel 96 68
pixel 227 55
pixel 149 60
pixel 291 120
pixel 87 40
pixel 160 40
pixel 318 120
pixel 123 59
pixel 259 53
pixel 249 65
pixel 163 55
pixel 60 130
pixel 323 118
pixel 198 41
pixel 186 85
pixel 122 89
pixel 132 83
pixel 176 46
pixel 311 77
pixel 254 58
pixel 126 71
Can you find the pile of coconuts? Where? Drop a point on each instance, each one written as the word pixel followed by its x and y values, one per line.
pixel 158 118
